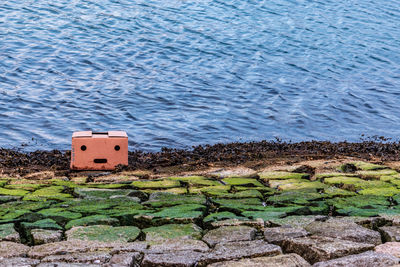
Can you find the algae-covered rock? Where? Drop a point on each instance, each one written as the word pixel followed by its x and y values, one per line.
pixel 294 197
pixel 173 231
pixel 103 233
pixel 196 181
pixel 92 220
pixel 338 180
pixel 382 191
pixel 224 215
pixel 60 215
pixel 156 184
pixel 376 174
pixel 27 187
pixel 271 213
pixel 5 199
pixel 249 182
pixel 41 224
pixel 186 211
pixel 276 175
pixel 212 190
pixel 360 201
pixel 8 233
pixel 366 166
pixel 48 193
pixel 225 192
pixel 162 199
pixel 302 185
pixel 13 192
pixel 333 191
pixel 229 234
pixel 237 172
pixel 334 174
pixel 240 204
pixel 95 193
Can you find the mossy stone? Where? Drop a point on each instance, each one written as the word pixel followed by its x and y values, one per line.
pixel 3 182
pixel 156 184
pixel 60 215
pixel 48 193
pixel 196 181
pixel 372 184
pixel 270 213
pixel 342 180
pixel 92 220
pixel 173 231
pixel 5 199
pixel 109 186
pixel 360 201
pixel 162 199
pixel 275 184
pixel 59 182
pixel 213 190
pixel 124 215
pixel 376 174
pixel 13 192
pixel 96 193
pixel 175 190
pixel 103 233
pixel 333 174
pixel 366 166
pixel 303 185
pixel 8 233
pixel 279 175
pixel 41 224
pixel 240 204
pixel 332 191
pixel 27 187
pixel 294 197
pixel 186 211
pixel 248 182
pixel 223 215
pixel 382 191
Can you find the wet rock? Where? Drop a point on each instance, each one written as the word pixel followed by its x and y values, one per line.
pixel 238 172
pixel 11 249
pixel 48 193
pixel 317 248
pixel 188 213
pixel 12 262
pixel 137 246
pixel 48 224
pixel 239 250
pixel 103 233
pixel 85 257
pixel 276 235
pixel 344 230
pixel 196 181
pixel 5 199
pixel 294 221
pixel 248 182
pixel 366 259
pixel 60 215
pixel 42 236
pixel 223 215
pixel 65 264
pixel 65 247
pixel 279 175
pixel 8 233
pixel 96 193
pixel 132 259
pixel 156 184
pixel 92 220
pixel 172 259
pixel 172 231
pixel 391 248
pixel 162 246
pixel 288 260
pixel 257 223
pixel 348 167
pixel 161 199
pixel 390 233
pixel 229 234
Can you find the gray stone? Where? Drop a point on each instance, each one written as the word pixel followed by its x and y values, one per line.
pixel 8 233
pixel 65 247
pixel 65 264
pixel 12 262
pixel 345 230
pixel 85 257
pixel 137 246
pixel 366 259
pixel 276 235
pixel 131 259
pixel 172 259
pixel 177 244
pixel 257 223
pixel 42 236
pixel 318 248
pixel 287 260
pixel 240 172
pixel 229 234
pixel 390 233
pixel 391 248
pixel 239 250
pixel 11 250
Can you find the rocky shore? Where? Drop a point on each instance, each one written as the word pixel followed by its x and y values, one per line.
pixel 277 211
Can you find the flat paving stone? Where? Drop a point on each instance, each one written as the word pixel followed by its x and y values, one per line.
pixel 391 248
pixel 10 249
pixel 137 246
pixel 276 235
pixel 229 234
pixel 12 262
pixel 390 233
pixel 172 259
pixel 345 230
pixel 239 250
pixel 86 257
pixel 177 245
pixel 366 259
pixel 288 260
pixel 318 248
pixel 65 247
pixel 42 236
pixel 66 264
pixel 130 259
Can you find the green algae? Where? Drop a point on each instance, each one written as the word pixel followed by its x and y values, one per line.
pixel 162 199
pixel 303 185
pixel 92 220
pixel 277 212
pixel 13 192
pixel 343 180
pixel 156 184
pixel 27 187
pixel 359 205
pixel 173 231
pixel 366 166
pixel 196 181
pixel 279 175
pixel 70 184
pixel 212 190
pixel 383 191
pixel 276 183
pixel 41 224
pixel 60 215
pixel 110 186
pixel 248 182
pixel 104 233
pixel 181 211
pixel 8 233
pixel 175 190
pixel 333 174
pixel 223 191
pixel 223 215
pixel 239 205
pixel 376 174
pixel 3 182
pixel 294 197
pixel 332 191
pixel 96 193
pixel 48 193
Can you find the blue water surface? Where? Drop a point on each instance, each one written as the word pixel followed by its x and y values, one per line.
pixel 180 73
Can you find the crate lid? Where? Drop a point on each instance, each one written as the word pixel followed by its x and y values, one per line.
pixel 99 134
